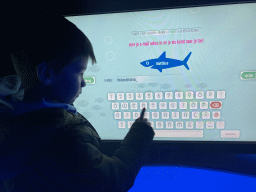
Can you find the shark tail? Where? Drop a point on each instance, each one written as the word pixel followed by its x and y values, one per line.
pixel 185 61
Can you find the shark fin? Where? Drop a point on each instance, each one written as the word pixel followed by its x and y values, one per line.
pixel 163 56
pixel 155 67
pixel 185 61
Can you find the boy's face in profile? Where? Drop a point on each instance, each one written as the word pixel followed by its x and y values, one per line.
pixel 67 85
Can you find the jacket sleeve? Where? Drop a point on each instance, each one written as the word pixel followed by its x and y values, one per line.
pixel 87 168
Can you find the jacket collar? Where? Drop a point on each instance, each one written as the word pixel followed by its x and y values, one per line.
pixel 25 107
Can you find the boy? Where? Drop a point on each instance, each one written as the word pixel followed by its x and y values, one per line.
pixel 57 148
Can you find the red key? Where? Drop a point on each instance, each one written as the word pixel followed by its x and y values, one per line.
pixel 215 104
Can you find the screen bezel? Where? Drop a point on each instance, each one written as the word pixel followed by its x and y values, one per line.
pixel 242 147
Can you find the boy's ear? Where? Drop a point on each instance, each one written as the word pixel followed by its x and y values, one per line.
pixel 45 75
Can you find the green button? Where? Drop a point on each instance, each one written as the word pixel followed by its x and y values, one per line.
pixel 89 80
pixel 247 75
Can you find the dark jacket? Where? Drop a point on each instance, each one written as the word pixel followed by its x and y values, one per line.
pixel 53 149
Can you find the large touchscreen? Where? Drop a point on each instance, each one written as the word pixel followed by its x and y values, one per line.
pixel 194 69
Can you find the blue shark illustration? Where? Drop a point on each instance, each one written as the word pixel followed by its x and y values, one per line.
pixel 164 63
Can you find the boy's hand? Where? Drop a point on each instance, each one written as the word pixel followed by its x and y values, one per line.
pixel 141 118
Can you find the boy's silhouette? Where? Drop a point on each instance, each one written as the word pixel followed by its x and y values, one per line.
pixel 47 145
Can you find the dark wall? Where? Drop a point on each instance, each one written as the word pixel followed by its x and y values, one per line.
pixel 99 6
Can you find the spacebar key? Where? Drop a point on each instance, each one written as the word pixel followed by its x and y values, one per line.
pixel 178 133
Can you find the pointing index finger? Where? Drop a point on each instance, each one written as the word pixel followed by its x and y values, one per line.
pixel 142 113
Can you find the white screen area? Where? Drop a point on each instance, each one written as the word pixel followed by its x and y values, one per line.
pixel 194 69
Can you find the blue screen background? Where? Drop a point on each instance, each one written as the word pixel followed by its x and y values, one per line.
pixel 172 178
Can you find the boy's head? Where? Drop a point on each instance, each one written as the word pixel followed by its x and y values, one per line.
pixel 48 55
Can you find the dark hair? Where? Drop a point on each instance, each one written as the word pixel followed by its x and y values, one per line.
pixel 47 38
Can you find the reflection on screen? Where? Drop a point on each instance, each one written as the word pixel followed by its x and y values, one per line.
pixel 194 69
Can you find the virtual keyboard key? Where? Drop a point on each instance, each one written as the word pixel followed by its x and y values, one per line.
pixel 216 115
pixel 165 115
pixel 143 105
pixel 199 94
pixel 168 95
pixel 185 115
pixel 199 124
pixel 209 125
pixel 203 105
pixel 221 94
pixel 130 123
pixel 162 105
pixel 175 115
pixel 220 125
pixel 178 133
pixel 158 95
pixel 124 105
pixel 206 115
pixel 215 104
pixel 149 95
pixel 135 115
pixel 133 105
pixel 115 106
pixel 127 115
pixel 230 134
pixel 179 125
pixel 193 105
pixel 189 95
pixel 159 124
pixel 111 96
pixel 155 115
pixel 152 105
pixel 120 96
pixel 189 124
pixel 117 115
pixel 210 94
pixel 172 105
pixel 121 124
pixel 183 105
pixel 169 125
pixel 195 115
pixel 129 96
pixel 178 95
pixel 139 96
